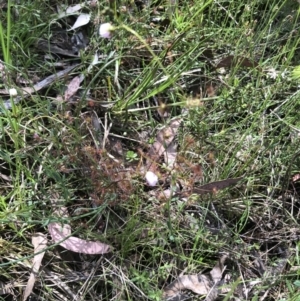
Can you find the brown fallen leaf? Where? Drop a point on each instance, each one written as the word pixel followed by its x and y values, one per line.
pixel 236 61
pixel 60 235
pixel 39 242
pixel 215 186
pixel 200 284
pixel 212 187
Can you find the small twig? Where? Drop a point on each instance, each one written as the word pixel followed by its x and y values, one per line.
pixel 40 85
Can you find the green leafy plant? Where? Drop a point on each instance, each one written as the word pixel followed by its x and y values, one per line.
pixel 296 72
pixel 131 156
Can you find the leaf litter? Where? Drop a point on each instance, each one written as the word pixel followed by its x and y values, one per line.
pixel 61 234
pixel 39 242
pixel 200 284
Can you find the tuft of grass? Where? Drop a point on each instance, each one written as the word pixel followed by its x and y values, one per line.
pixel 5 35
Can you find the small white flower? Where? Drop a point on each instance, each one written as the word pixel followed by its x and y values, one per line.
pixel 151 178
pixel 222 70
pixel 272 73
pixel 105 30
pixel 13 92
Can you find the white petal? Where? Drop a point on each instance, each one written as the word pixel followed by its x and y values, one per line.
pixel 151 178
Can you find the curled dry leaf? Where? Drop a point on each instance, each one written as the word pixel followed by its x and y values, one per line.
pixel 39 242
pixel 60 234
pixel 164 138
pixel 73 87
pixel 199 283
